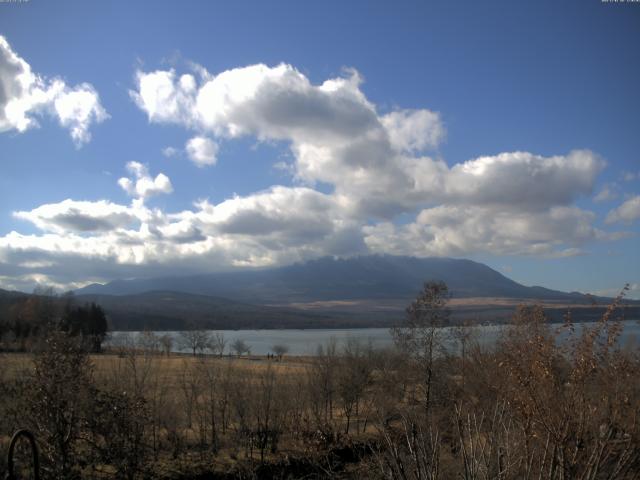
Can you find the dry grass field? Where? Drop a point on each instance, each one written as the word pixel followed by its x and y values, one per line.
pixel 14 363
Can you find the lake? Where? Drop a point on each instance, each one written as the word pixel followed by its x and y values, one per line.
pixel 305 342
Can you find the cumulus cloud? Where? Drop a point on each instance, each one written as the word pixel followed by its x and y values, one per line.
pixel 460 230
pixel 628 212
pixel 337 137
pixel 202 151
pixel 529 181
pixel 164 97
pixel 276 103
pixel 78 216
pixel 414 130
pixel 143 185
pixel 276 226
pixel 25 95
pixel 292 215
pixel 364 182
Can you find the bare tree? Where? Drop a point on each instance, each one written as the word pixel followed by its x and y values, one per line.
pixel 195 340
pixel 122 343
pixel 280 350
pixel 148 342
pixel 419 334
pixel 166 341
pixel 190 386
pixel 58 400
pixel 210 374
pixel 353 377
pixel 260 406
pixel 218 344
pixel 269 411
pixel 410 452
pixel 240 347
pixel 118 424
pixel 463 334
pixel 321 382
pixel 224 398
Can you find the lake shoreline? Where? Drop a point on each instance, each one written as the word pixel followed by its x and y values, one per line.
pixel 304 342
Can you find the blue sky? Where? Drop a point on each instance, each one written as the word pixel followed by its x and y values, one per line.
pixel 153 138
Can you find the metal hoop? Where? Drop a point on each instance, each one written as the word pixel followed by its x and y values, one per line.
pixel 34 454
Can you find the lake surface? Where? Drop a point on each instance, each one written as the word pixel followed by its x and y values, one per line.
pixel 306 342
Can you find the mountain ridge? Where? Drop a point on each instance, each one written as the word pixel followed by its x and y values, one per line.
pixel 364 291
pixel 372 276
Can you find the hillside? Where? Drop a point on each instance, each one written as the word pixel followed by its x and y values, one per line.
pixel 354 292
pixel 164 310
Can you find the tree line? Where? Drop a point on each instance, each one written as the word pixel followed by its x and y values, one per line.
pixel 28 320
pixel 197 342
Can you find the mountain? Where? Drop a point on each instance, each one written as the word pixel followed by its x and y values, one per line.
pixel 362 291
pixel 10 295
pixel 327 279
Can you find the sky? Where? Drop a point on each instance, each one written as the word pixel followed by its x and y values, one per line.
pixel 142 139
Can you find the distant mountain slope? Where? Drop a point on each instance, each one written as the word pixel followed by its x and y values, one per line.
pixel 163 310
pixel 11 294
pixel 7 299
pixel 365 277
pixel 325 293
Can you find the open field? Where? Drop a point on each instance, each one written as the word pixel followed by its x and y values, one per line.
pixel 494 310
pixel 16 364
pixel 399 304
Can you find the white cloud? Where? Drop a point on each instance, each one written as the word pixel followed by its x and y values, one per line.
pixel 27 282
pixel 269 103
pixel 337 137
pixel 383 191
pixel 165 98
pixel 524 180
pixel 608 193
pixel 143 185
pixel 372 161
pixel 24 95
pixel 276 226
pixel 461 230
pixel 414 130
pixel 77 216
pixel 294 215
pixel 202 151
pixel 76 109
pixel 628 212
pixel 170 152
